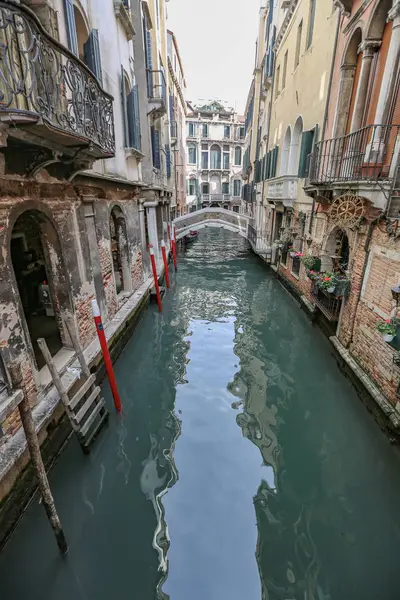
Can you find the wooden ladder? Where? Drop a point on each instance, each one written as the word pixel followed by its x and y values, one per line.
pixel 83 404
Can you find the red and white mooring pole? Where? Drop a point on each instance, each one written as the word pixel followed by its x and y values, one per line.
pixel 106 355
pixel 174 248
pixel 164 255
pixel 154 268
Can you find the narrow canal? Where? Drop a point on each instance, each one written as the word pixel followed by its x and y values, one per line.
pixel 244 467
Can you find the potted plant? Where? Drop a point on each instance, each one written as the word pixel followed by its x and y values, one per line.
pixel 387 329
pixel 292 252
pixel 311 263
pixel 312 275
pixel 327 282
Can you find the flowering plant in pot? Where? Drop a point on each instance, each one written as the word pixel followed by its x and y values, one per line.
pixel 387 329
pixel 327 282
pixel 292 252
pixel 313 275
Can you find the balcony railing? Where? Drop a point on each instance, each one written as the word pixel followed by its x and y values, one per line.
pixel 209 198
pixel 329 304
pixel 157 90
pixel 283 189
pixel 368 154
pixel 41 81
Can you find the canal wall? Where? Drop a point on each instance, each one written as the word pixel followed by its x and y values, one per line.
pixel 385 414
pixel 17 478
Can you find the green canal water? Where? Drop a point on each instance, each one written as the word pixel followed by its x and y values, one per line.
pixel 244 466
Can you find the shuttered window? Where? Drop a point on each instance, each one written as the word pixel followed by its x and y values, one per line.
pixel 274 161
pixel 168 159
pixel 92 54
pixel 311 22
pixel 124 102
pixel 149 64
pixel 307 142
pixel 71 26
pixel 155 147
pixel 134 119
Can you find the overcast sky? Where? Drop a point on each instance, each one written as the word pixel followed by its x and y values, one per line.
pixel 216 41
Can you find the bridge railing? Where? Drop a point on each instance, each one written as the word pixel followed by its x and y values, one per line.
pixel 212 217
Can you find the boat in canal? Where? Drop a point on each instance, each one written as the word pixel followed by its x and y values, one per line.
pixel 191 236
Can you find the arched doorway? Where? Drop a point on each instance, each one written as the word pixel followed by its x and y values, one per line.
pixel 82 32
pixel 336 257
pixel 39 271
pixel 119 251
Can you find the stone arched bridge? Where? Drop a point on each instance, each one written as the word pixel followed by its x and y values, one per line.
pixel 212 217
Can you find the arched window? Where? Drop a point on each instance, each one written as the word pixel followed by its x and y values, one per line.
pixel 192 154
pixel 285 152
pixel 215 156
pixel 238 156
pixel 119 251
pixel 192 186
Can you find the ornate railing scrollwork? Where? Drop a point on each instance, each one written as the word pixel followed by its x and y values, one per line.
pixel 40 79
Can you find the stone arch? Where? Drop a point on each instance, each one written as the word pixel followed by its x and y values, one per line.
pixel 294 155
pixel 336 250
pixel 287 140
pixel 120 250
pixel 377 20
pixel 350 52
pixel 38 272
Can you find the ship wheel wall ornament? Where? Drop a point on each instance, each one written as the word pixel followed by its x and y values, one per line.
pixel 347 211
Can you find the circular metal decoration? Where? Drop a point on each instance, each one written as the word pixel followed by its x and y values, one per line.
pixel 347 210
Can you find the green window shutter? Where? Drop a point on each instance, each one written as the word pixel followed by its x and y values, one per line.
pixel 92 54
pixel 274 161
pixel 71 26
pixel 124 102
pixel 305 149
pixel 134 119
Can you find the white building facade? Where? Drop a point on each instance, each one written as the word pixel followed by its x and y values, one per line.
pixel 214 145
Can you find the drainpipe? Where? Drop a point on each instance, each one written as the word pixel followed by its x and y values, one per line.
pixel 338 27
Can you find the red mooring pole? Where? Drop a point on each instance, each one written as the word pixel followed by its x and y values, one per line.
pixel 174 248
pixel 164 255
pixel 154 268
pixel 106 355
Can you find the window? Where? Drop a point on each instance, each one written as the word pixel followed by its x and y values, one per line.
pixel 278 76
pixel 205 131
pixel 204 147
pixel 155 147
pixel 192 186
pixel 131 115
pixel 285 61
pixel 215 157
pixel 225 187
pixel 226 160
pixel 237 187
pixel 308 140
pixel 227 131
pixel 205 188
pixel 296 266
pixel 204 160
pixel 192 154
pixel 192 129
pixel 298 44
pixel 311 22
pixel 242 133
pixel 238 156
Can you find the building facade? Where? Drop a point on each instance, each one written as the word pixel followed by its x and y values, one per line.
pixel 214 143
pixel 85 186
pixel 177 118
pixel 326 182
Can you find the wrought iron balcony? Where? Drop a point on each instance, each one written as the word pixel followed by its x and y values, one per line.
pixel 329 304
pixel 46 87
pixel 368 155
pixel 157 91
pixel 283 189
